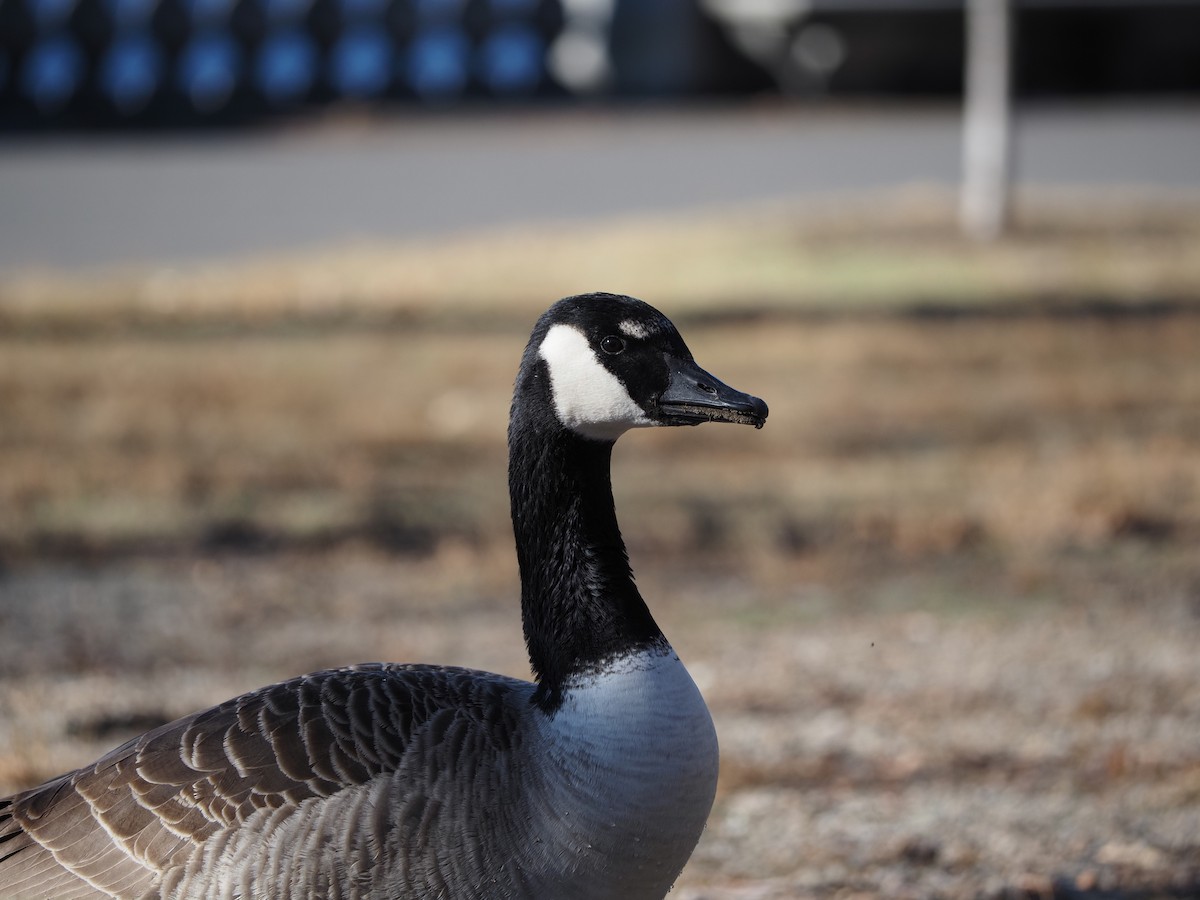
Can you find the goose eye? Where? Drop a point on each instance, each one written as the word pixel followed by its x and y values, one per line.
pixel 612 344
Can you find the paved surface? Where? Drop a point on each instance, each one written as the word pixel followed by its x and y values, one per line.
pixel 107 200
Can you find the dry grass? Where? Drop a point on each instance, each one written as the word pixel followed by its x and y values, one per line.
pixel 944 606
pixel 1032 434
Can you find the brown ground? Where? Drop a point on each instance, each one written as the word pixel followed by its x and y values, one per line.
pixel 945 606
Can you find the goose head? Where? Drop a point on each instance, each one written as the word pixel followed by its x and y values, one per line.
pixel 605 363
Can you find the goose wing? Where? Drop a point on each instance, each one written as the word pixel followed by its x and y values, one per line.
pixel 155 809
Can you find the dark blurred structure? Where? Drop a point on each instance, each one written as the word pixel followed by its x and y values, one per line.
pixel 95 63
pixel 915 47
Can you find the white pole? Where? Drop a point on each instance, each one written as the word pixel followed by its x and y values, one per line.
pixel 987 119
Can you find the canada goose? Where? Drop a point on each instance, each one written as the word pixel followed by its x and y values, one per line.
pixel 417 781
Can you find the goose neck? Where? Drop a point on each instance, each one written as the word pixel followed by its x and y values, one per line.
pixel 579 604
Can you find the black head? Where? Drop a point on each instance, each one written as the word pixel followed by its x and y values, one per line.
pixel 613 363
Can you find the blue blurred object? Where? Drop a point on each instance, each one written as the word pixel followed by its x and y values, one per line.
pixel 53 73
pixel 49 15
pixel 132 73
pixel 511 59
pixel 126 15
pixel 438 62
pixel 286 68
pixel 208 70
pixel 362 61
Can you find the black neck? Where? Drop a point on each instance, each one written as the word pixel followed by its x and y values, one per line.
pixel 579 605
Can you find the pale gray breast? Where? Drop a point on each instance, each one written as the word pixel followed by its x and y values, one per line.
pixel 627 772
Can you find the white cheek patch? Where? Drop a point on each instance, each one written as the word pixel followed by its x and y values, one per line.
pixel 633 329
pixel 589 399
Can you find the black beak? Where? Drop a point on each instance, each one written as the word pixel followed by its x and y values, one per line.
pixel 694 396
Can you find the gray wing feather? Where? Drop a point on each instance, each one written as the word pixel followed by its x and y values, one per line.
pixel 255 791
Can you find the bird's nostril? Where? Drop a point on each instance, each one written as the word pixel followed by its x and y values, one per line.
pixel 707 388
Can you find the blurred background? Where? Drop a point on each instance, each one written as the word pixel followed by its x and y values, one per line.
pixel 120 63
pixel 267 268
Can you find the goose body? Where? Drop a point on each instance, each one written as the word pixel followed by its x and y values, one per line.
pixel 388 781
